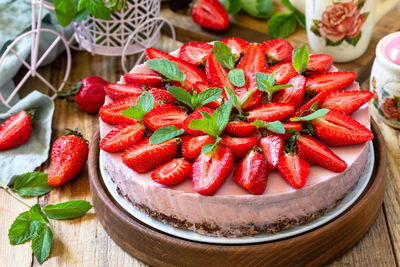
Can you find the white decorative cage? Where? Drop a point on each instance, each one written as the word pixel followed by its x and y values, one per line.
pixel 109 37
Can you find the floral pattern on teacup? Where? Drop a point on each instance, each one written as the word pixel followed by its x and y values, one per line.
pixel 341 22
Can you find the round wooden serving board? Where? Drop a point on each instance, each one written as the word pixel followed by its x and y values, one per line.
pixel 312 248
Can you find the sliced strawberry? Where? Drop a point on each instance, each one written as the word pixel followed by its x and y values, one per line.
pixel 192 145
pixel 216 74
pixel 278 50
pixel 15 131
pixel 329 81
pixel 292 95
pixel 338 129
pixel 172 172
pixel 294 170
pixel 319 63
pixel 143 156
pixel 270 112
pixel 210 14
pixel 111 113
pixel 162 95
pixel 346 101
pixel 122 136
pixel 317 153
pixel 253 100
pixel 202 86
pixel 237 45
pixel 253 59
pixel 272 147
pixel 164 115
pixel 196 115
pixel 146 79
pixel 195 53
pixel 193 74
pixel 292 125
pixel 319 97
pixel 119 90
pixel 239 128
pixel 252 173
pixel 283 72
pixel 239 145
pixel 210 170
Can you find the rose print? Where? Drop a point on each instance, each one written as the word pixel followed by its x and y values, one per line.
pixel 341 21
pixel 390 108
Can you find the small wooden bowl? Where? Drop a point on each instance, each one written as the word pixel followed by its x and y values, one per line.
pixel 313 248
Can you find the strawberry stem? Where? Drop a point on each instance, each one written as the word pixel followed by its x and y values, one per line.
pixel 75 132
pixel 65 94
pixel 31 112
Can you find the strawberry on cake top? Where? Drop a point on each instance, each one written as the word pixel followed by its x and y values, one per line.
pixel 255 111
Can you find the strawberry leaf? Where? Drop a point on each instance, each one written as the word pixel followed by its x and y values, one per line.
pixel 224 55
pixel 275 126
pixel 300 58
pixel 236 77
pixel 165 133
pixel 167 68
pixel 32 184
pixel 319 113
pixel 210 147
pixel 144 104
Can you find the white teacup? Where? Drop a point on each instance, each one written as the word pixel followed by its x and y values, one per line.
pixel 342 28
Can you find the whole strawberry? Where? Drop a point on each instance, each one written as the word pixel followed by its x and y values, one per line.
pixel 16 130
pixel 89 94
pixel 68 157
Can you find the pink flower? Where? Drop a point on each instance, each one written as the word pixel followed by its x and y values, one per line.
pixel 341 20
pixel 389 108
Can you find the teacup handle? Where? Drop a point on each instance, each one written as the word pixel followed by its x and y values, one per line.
pixel 383 7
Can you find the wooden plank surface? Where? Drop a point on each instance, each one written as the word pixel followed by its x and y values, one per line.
pixel 84 242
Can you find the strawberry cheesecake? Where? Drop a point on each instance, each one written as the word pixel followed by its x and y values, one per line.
pixel 234 138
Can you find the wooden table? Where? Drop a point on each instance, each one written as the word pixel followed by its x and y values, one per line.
pixel 83 242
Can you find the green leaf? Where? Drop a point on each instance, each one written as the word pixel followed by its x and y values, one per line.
pixel 398 105
pixel 231 94
pixel 236 77
pixel 265 81
pixel 165 133
pixel 258 8
pixel 235 6
pixel 134 112
pixel 206 115
pixel 319 113
pixel 167 68
pixel 67 210
pixel 65 11
pixel 247 95
pixel 146 100
pixel 224 55
pixel 82 5
pixel 275 126
pixel 37 214
pixel 223 115
pixel 98 9
pixel 315 30
pixel 328 42
pixel 41 242
pixel 144 104
pixel 300 58
pixel 282 25
pixel 81 15
pixel 226 4
pixel 181 95
pixel 210 147
pixel 32 184
pixel 360 4
pixel 209 95
pixel 354 41
pixel 365 14
pixel 22 229
pixel 301 19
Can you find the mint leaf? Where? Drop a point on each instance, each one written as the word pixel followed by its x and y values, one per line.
pixel 165 133
pixel 41 242
pixel 32 184
pixel 301 19
pixel 22 228
pixel 266 83
pixel 319 113
pixel 231 94
pixel 223 115
pixel 247 95
pixel 144 104
pixel 209 95
pixel 37 214
pixel 224 55
pixel 226 4
pixel 67 210
pixel 98 9
pixel 235 6
pixel 236 77
pixel 167 68
pixel 275 126
pixel 208 148
pixel 206 115
pixel 282 25
pixel 206 125
pixel 181 95
pixel 300 58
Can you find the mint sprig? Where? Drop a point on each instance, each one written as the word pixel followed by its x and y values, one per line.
pixel 267 84
pixel 214 125
pixel 144 104
pixel 315 115
pixel 274 126
pixel 224 55
pixel 238 103
pixel 300 58
pixel 165 133
pixel 32 184
pixel 236 77
pixel 167 68
pixel 195 100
